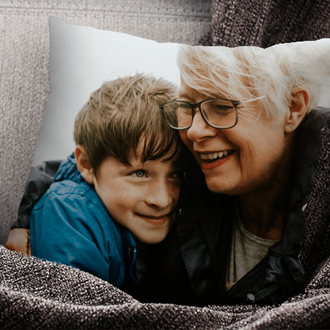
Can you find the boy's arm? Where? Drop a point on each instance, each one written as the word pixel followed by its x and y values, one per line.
pixel 36 185
pixel 39 180
pixel 71 229
pixel 19 236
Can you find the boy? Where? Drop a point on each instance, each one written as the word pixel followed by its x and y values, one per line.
pixel 120 185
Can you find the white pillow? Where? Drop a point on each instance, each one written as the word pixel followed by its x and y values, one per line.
pixel 25 72
pixel 81 59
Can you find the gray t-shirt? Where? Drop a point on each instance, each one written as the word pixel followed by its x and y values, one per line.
pixel 246 251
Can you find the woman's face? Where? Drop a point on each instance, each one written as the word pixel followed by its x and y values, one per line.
pixel 250 157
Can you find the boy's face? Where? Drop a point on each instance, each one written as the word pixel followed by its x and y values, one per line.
pixel 141 197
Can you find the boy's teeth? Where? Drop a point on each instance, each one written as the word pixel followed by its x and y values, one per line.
pixel 214 155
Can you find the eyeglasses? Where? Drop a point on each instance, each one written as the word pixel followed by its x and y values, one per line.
pixel 218 113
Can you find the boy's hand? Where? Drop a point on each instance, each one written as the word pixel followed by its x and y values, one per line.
pixel 19 241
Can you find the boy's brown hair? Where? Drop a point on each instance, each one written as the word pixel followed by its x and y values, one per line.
pixel 121 114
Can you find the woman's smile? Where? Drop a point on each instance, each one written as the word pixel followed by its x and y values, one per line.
pixel 207 163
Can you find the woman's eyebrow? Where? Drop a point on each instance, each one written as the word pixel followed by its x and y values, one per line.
pixel 184 96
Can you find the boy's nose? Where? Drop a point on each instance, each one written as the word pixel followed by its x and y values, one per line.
pixel 160 196
pixel 199 129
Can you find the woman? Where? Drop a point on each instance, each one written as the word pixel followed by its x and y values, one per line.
pixel 247 116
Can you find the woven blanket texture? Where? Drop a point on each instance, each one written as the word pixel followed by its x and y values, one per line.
pixel 39 294
pixel 24 71
pixel 265 23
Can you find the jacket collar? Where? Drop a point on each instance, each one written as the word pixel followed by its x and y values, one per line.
pixel 69 171
pixel 306 155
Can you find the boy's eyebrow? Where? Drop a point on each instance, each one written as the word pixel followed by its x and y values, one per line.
pixel 135 161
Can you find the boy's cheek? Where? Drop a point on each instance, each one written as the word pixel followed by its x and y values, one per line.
pixel 176 193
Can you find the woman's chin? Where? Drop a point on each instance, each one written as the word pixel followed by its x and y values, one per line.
pixel 221 186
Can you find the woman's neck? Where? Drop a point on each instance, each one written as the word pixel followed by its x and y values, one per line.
pixel 262 216
pixel 262 210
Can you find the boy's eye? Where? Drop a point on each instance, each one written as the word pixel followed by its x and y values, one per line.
pixel 139 173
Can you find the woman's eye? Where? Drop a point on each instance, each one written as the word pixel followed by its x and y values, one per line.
pixel 139 173
pixel 178 175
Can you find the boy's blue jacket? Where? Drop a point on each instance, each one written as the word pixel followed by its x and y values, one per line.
pixel 71 225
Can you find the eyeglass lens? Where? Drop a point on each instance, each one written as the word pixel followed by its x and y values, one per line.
pixel 217 112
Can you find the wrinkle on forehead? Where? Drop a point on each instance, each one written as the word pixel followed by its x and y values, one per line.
pixel 186 92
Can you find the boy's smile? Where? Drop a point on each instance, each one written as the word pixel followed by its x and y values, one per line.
pixel 141 197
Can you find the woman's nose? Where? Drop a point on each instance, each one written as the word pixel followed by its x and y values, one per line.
pixel 199 129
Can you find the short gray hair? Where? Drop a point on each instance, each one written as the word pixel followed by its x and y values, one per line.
pixel 252 74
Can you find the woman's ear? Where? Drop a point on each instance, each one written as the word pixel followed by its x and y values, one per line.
pixel 297 108
pixel 83 164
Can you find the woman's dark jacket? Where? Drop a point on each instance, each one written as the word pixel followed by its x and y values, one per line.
pixel 190 265
pixel 193 266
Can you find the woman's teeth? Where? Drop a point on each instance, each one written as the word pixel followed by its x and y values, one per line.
pixel 215 155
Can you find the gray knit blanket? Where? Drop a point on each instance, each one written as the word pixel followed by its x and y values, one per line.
pixel 40 294
pixel 37 294
pixel 265 23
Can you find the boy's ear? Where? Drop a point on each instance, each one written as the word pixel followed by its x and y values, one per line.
pixel 83 164
pixel 297 109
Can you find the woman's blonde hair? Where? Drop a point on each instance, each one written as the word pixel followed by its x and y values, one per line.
pixel 123 113
pixel 252 74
